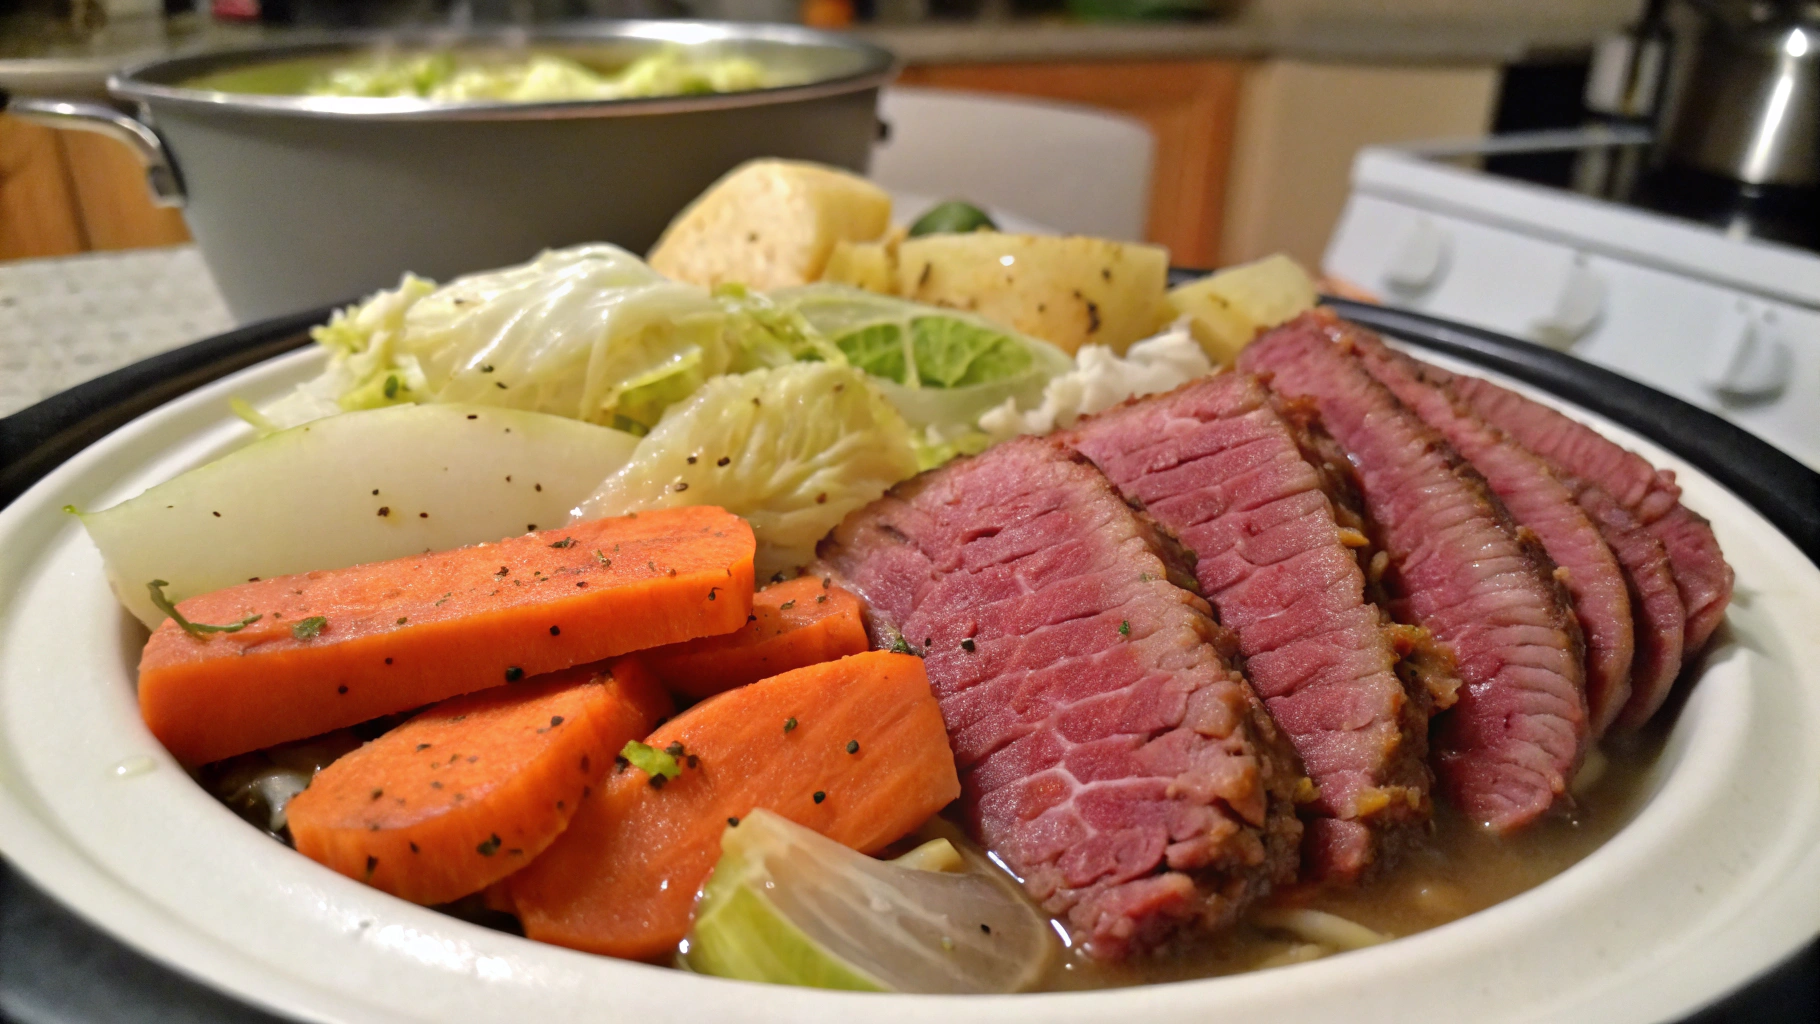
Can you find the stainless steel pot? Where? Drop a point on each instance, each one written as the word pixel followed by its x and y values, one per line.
pixel 298 201
pixel 1750 109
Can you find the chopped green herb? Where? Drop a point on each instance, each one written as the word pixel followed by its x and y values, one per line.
pixel 1125 628
pixel 193 628
pixel 391 385
pixel 674 750
pixel 900 646
pixel 821 599
pixel 1143 577
pixel 789 724
pixel 601 558
pixel 309 628
pixel 786 606
pixel 566 542
pixel 514 674
pixel 490 847
pixel 650 760
pixel 402 620
pixel 852 746
pixel 820 796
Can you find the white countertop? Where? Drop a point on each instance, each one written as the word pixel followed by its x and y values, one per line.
pixel 68 320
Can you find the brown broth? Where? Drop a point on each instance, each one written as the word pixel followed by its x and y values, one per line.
pixel 1460 870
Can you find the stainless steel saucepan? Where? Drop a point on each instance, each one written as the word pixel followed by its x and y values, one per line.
pixel 298 201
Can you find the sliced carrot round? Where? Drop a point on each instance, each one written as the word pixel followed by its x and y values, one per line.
pixel 470 790
pixel 799 622
pixel 854 749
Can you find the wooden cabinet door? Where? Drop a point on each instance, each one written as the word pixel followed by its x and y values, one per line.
pixel 38 215
pixel 1190 105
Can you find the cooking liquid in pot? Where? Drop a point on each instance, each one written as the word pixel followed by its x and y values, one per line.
pixel 1461 869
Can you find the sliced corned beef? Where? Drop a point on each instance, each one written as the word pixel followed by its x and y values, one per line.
pixel 1215 463
pixel 1655 602
pixel 1508 748
pixel 1701 572
pixel 1110 755
pixel 1538 500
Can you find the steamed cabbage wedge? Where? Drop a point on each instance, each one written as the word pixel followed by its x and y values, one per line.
pixel 792 449
pixel 789 906
pixel 589 332
pixel 940 367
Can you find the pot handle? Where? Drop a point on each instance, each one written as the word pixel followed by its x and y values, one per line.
pixel 160 173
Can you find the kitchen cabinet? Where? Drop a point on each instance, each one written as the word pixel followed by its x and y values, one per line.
pixel 64 192
pixel 1191 105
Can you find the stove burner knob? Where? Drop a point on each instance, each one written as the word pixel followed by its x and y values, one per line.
pixel 1752 362
pixel 1578 306
pixel 1419 257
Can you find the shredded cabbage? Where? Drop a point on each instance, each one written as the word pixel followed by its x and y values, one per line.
pixel 542 77
pixel 792 449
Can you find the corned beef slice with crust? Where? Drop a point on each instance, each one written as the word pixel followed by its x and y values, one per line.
pixel 1109 753
pixel 1659 617
pixel 1508 748
pixel 1650 494
pixel 1540 502
pixel 1215 463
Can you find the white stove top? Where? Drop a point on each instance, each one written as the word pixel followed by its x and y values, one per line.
pixel 1719 319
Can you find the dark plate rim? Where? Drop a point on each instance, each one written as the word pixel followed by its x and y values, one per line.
pixel 36 440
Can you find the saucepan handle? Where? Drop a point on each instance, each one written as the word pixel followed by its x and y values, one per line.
pixel 160 173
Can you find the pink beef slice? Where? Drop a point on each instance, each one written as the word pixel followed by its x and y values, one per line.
pixel 1109 753
pixel 1216 464
pixel 1659 616
pixel 1651 495
pixel 1541 503
pixel 1507 749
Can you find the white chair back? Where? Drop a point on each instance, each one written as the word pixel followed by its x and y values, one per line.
pixel 1072 168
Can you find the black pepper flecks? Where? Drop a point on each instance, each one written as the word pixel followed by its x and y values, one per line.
pixel 490 847
pixel 555 630
pixel 820 796
pixel 968 645
pixel 852 746
pixel 514 674
pixel 732 822
pixel 789 724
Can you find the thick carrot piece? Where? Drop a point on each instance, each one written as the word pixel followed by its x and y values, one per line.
pixel 470 790
pixel 854 749
pixel 332 649
pixel 800 622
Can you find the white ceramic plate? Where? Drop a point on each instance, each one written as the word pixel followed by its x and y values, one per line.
pixel 1717 878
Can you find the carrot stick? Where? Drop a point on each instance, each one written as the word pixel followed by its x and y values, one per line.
pixel 470 790
pixel 799 622
pixel 854 749
pixel 332 649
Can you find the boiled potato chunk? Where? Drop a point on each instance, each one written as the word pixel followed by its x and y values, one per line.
pixel 1228 309
pixel 1068 291
pixel 868 265
pixel 770 224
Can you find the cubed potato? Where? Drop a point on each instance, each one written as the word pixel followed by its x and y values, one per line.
pixel 770 224
pixel 1228 309
pixel 868 265
pixel 1068 291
